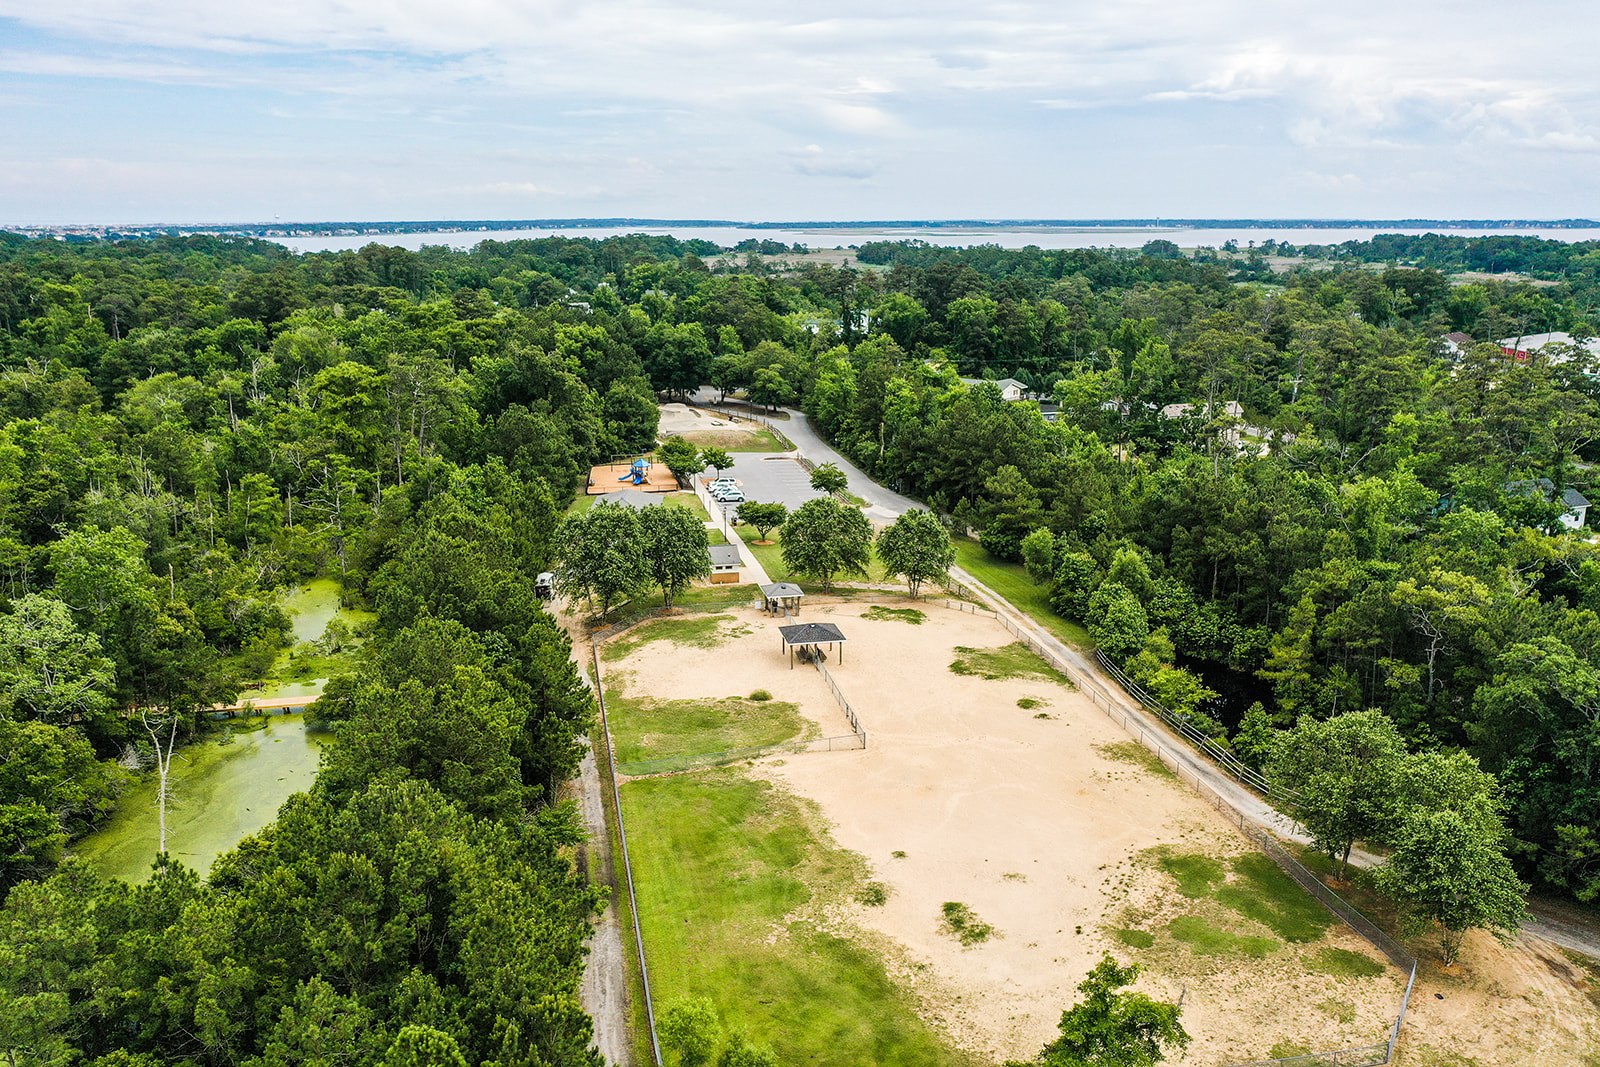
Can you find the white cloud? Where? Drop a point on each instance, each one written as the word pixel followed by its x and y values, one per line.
pixel 990 110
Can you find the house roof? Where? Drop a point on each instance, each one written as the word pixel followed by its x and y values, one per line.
pixel 1001 383
pixel 1460 339
pixel 725 555
pixel 1533 342
pixel 631 498
pixel 1546 488
pixel 810 633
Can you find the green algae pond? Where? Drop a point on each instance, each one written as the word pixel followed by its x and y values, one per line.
pixel 222 790
pixel 231 784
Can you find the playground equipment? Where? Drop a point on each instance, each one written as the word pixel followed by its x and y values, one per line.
pixel 638 474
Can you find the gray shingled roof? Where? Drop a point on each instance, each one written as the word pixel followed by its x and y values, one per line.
pixel 810 633
pixel 725 556
pixel 781 589
pixel 631 498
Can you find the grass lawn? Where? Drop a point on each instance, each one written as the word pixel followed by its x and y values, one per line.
pixel 1011 581
pixel 759 440
pixel 716 594
pixel 771 557
pixel 683 499
pixel 645 729
pixel 734 878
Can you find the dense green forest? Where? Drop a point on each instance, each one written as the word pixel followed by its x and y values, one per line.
pixel 193 424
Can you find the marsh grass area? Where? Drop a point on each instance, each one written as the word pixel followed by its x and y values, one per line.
pixel 327 639
pixel 736 882
pixel 1015 660
pixel 1011 581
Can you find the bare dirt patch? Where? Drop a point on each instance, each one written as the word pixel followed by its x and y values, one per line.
pixel 707 429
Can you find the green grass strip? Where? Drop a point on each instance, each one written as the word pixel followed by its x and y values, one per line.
pixel 1204 939
pixel 1015 660
pixel 729 871
pixel 701 631
pixel 661 729
pixel 1011 581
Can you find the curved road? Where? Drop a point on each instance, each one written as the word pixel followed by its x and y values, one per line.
pixel 885 504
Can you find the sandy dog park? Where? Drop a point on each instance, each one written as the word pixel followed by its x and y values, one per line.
pixel 992 786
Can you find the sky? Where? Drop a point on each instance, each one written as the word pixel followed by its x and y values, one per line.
pixel 174 111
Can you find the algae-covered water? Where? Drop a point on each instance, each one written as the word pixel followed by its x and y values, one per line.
pixel 221 793
pixel 314 605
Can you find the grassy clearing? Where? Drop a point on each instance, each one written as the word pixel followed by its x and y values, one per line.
pixel 1135 753
pixel 963 924
pixel 1263 892
pixel 1250 885
pixel 1204 939
pixel 1344 963
pixel 690 501
pixel 1011 581
pixel 702 631
pixel 771 557
pixel 1015 660
pixel 716 594
pixel 879 613
pixel 660 729
pixel 732 876
pixel 755 440
pixel 1194 874
pixel 1134 938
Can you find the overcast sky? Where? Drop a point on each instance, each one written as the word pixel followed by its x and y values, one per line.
pixel 209 111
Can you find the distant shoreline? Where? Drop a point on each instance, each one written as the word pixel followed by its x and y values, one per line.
pixel 908 227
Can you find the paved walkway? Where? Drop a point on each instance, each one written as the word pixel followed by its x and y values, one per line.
pixel 752 570
pixel 887 505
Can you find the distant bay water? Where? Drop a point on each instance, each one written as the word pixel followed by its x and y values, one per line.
pixel 1050 237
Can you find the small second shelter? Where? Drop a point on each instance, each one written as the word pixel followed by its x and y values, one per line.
pixel 781 598
pixel 808 638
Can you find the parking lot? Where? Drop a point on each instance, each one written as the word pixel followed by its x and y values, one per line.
pixel 769 479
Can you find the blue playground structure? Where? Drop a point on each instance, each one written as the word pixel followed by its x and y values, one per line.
pixel 639 474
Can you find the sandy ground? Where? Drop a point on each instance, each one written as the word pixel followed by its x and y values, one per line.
pixel 683 419
pixel 1018 817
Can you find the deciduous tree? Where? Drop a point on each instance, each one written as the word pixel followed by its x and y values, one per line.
pixel 673 541
pixel 1111 1028
pixel 824 538
pixel 764 517
pixel 917 547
